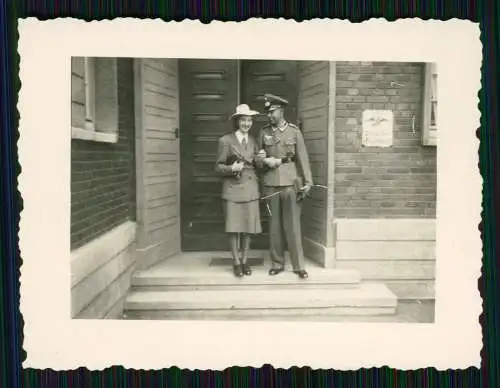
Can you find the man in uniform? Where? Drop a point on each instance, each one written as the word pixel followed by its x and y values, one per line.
pixel 286 181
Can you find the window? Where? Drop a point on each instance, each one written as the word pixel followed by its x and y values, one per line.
pixel 94 110
pixel 429 122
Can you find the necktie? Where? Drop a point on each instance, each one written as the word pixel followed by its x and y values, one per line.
pixel 244 142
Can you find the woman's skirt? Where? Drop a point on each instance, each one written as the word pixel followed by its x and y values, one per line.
pixel 242 217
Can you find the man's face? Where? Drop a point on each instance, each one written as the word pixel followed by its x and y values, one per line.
pixel 275 116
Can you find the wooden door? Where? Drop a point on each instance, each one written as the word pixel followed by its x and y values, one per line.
pixel 209 94
pixel 275 77
pixel 258 78
pixel 157 158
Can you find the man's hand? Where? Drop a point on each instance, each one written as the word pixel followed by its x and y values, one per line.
pixel 237 166
pixel 306 189
pixel 272 162
pixel 269 162
pixel 303 192
pixel 262 154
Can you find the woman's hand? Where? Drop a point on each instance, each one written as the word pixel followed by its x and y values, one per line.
pixel 237 166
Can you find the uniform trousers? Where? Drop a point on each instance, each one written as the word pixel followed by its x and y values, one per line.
pixel 284 226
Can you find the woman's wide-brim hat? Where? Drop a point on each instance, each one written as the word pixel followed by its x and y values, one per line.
pixel 244 110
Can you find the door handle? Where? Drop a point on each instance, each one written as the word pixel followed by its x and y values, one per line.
pixel 176 133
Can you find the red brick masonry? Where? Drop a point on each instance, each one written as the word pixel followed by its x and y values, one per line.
pixel 103 175
pixel 397 182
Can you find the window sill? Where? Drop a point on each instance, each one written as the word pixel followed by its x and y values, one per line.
pixel 91 135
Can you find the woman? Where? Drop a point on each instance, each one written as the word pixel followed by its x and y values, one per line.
pixel 240 189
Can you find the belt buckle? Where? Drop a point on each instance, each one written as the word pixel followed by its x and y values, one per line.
pixel 288 158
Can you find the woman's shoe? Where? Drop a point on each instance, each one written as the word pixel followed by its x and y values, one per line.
pixel 238 270
pixel 275 271
pixel 246 269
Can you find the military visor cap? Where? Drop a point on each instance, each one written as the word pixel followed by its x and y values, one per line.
pixel 272 102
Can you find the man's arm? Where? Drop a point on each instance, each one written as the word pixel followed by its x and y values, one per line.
pixel 259 158
pixel 303 159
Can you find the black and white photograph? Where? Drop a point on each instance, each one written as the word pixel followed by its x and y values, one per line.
pixel 253 189
pixel 308 192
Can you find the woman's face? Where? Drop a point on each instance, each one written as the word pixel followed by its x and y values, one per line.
pixel 245 123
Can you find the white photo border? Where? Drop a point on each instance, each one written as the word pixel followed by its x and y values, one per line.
pixel 53 340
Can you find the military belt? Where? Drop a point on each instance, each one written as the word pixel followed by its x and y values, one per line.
pixel 288 159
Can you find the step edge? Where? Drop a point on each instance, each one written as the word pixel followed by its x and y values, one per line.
pixel 142 307
pixel 181 273
pixel 231 284
pixel 380 301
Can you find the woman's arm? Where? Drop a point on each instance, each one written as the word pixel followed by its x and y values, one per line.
pixel 222 154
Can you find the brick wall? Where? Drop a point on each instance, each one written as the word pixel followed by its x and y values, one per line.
pixel 395 182
pixel 103 175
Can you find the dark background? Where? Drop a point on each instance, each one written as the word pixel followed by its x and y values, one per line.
pixel 11 322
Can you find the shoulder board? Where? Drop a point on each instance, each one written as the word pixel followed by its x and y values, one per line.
pixel 293 125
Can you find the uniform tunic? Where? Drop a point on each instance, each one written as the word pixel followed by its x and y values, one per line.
pixel 283 181
pixel 240 194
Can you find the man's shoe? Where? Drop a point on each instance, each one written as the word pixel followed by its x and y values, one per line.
pixel 302 273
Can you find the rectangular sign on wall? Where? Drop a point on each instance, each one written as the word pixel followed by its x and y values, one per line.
pixel 377 128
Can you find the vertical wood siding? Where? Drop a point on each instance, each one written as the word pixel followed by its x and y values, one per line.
pixel 313 100
pixel 157 105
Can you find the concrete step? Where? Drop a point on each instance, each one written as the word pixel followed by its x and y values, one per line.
pixel 220 278
pixel 412 289
pixel 338 314
pixel 406 312
pixel 366 299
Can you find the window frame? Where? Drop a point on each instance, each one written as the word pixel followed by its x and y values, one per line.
pixel 89 93
pixel 429 131
pixel 89 131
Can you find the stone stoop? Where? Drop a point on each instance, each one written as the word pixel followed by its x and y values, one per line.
pixel 400 253
pixel 179 292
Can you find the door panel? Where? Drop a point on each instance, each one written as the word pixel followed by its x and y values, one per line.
pixel 208 98
pixel 257 79
pixel 158 159
pixel 275 77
